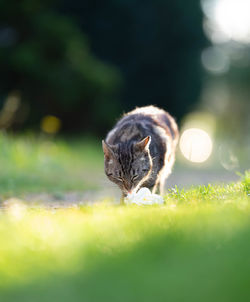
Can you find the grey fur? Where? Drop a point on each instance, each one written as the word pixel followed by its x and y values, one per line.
pixel 140 150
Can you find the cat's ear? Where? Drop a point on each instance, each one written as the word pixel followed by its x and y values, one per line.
pixel 107 150
pixel 143 144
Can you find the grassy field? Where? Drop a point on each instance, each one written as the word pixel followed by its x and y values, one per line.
pixel 194 248
pixel 37 164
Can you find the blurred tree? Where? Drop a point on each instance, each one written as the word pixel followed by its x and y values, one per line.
pixel 46 59
pixel 155 43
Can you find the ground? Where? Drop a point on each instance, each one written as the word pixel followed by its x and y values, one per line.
pixel 193 248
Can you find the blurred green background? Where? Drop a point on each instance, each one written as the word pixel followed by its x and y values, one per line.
pixel 88 61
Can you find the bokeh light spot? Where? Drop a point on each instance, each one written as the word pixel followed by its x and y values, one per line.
pixel 214 60
pixel 196 145
pixel 50 124
pixel 227 20
pixel 232 17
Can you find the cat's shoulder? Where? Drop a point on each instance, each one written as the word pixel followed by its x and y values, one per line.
pixel 146 110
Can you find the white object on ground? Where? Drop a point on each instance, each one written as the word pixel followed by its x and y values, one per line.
pixel 143 197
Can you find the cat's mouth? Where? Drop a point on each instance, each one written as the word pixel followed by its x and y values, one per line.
pixel 130 192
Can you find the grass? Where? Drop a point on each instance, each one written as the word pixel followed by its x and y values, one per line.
pixel 38 164
pixel 193 248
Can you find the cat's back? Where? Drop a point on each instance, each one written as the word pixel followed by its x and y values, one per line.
pixel 159 118
pixel 141 122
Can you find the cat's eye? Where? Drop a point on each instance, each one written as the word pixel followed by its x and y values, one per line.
pixel 144 170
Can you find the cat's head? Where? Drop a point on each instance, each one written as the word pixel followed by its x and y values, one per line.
pixel 128 164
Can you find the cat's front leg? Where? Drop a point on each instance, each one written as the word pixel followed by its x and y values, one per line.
pixel 122 199
pixel 156 189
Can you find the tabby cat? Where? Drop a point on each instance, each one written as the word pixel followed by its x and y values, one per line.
pixel 140 150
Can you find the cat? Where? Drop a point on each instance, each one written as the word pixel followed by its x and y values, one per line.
pixel 140 150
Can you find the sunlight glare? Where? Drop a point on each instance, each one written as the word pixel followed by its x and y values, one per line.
pixel 15 208
pixel 196 145
pixel 233 19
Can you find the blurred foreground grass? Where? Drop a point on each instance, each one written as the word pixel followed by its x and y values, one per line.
pixel 37 164
pixel 194 248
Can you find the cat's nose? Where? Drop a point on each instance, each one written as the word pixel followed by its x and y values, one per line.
pixel 128 189
pixel 127 186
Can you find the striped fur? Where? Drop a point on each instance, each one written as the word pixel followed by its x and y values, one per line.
pixel 140 150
